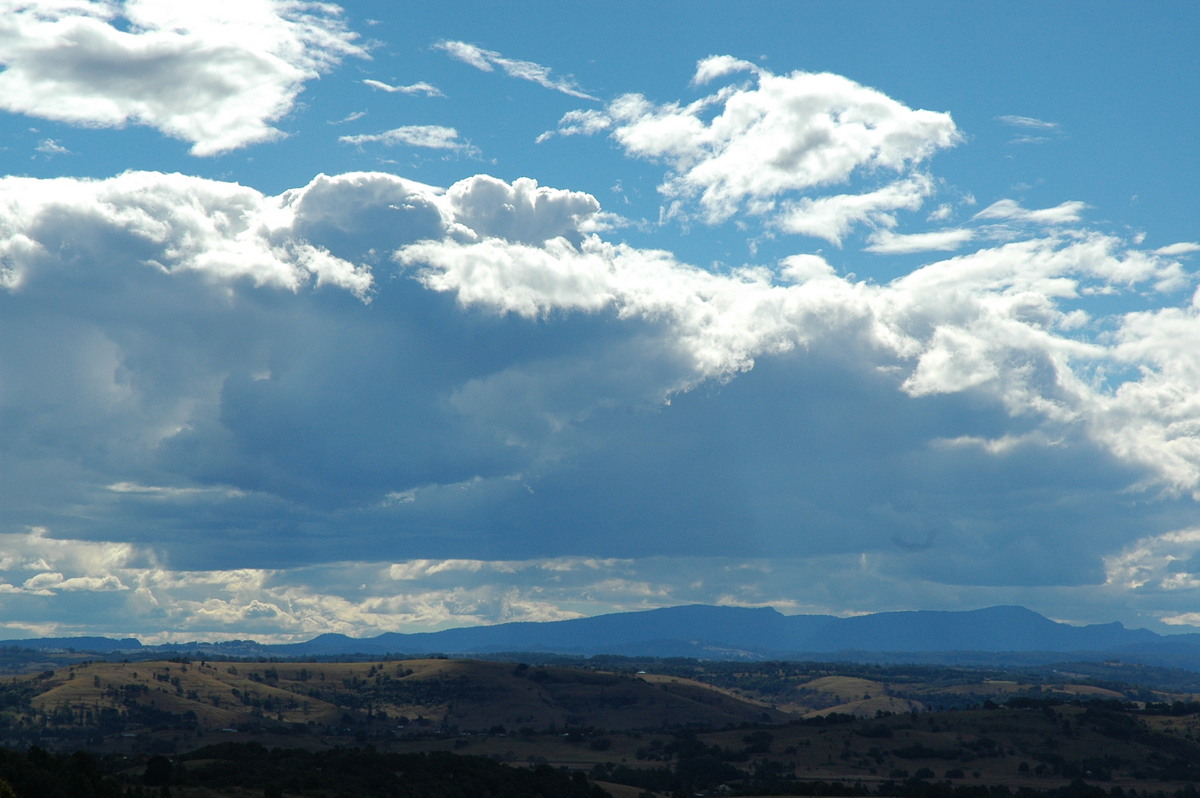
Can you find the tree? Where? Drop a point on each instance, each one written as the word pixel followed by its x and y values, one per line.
pixel 158 771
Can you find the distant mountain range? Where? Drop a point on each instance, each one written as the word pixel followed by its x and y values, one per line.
pixel 996 635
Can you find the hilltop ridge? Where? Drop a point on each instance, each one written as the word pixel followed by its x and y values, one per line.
pixel 1001 633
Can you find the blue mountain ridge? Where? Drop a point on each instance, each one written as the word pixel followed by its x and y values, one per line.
pixel 762 631
pixel 723 633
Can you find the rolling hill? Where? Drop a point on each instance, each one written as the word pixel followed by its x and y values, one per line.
pixel 787 728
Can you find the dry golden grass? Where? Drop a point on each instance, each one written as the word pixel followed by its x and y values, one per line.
pixel 848 695
pixel 458 693
pixel 847 688
pixel 869 707
pixel 471 695
pixel 213 693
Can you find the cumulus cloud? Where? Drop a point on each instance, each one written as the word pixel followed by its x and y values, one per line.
pixel 488 60
pixel 522 211
pixel 366 598
pixel 166 415
pixel 215 75
pixel 997 320
pixel 92 587
pixel 465 388
pixel 156 222
pixel 635 328
pixel 62 566
pixel 359 598
pixel 718 66
pixel 748 145
pixel 1166 564
pixel 493 408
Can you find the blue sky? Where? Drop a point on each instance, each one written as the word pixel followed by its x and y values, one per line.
pixel 382 317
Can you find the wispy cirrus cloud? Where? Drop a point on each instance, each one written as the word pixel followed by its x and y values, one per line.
pixel 433 137
pixel 1037 130
pixel 1010 210
pixel 887 242
pixel 421 87
pixel 1027 122
pixel 489 60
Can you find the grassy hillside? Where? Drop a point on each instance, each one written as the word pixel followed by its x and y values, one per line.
pixel 336 698
pixel 693 726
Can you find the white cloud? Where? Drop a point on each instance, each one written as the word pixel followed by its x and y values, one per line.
pixel 585 122
pixel 801 268
pixel 52 147
pixel 1002 445
pixel 488 60
pixel 171 493
pixel 1179 248
pixel 521 211
pixel 434 137
pixel 215 74
pixel 887 242
pixel 159 222
pixel 357 598
pixel 421 87
pixel 361 598
pixel 941 213
pixel 978 321
pixel 1157 563
pixel 718 66
pixel 989 321
pixel 747 146
pixel 91 583
pixel 1027 122
pixel 43 583
pixel 421 569
pixel 1010 210
pixel 1038 130
pixel 529 281
pixel 359 215
pixel 62 565
pixel 166 362
pixel 831 218
pixel 353 116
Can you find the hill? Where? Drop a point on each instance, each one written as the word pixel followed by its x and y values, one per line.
pixel 733 633
pixel 336 699
pixel 683 726
pixel 995 635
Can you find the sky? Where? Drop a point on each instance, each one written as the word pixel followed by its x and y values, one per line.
pixel 382 316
